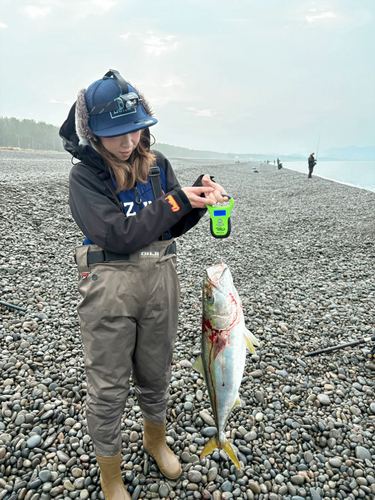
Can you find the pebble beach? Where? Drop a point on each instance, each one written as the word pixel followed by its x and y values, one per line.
pixel 302 255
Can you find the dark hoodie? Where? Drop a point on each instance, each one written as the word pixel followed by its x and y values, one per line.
pixel 98 211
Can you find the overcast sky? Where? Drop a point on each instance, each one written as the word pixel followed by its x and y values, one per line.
pixel 242 76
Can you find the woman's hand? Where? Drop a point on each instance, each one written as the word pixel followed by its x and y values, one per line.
pixel 215 195
pixel 194 195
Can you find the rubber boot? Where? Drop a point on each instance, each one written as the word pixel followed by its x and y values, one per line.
pixel 155 445
pixel 110 478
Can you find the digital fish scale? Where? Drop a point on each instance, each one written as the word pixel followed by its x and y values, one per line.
pixel 220 218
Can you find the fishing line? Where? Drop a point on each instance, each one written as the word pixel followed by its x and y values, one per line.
pixel 317 148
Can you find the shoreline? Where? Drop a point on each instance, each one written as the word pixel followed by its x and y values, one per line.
pixel 334 180
pixel 365 173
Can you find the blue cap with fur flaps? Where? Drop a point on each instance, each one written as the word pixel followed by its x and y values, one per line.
pixel 118 120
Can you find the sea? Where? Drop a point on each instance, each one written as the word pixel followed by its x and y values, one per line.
pixel 354 173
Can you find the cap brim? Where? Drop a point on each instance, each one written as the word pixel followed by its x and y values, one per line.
pixel 126 128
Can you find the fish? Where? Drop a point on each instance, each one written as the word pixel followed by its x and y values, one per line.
pixel 223 351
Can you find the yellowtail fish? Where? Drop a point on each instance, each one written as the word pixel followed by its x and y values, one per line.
pixel 224 341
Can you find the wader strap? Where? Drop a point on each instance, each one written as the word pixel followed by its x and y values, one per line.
pixel 95 257
pixel 154 175
pixel 80 259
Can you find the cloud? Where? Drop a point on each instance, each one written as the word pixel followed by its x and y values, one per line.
pixel 34 11
pixel 174 81
pixel 125 37
pixel 156 45
pixel 236 20
pixel 54 101
pixel 324 15
pixel 2 25
pixel 105 4
pixel 209 113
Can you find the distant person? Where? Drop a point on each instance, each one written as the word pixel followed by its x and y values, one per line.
pixel 312 162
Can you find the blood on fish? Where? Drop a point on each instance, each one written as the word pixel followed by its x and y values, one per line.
pixel 237 310
pixel 218 338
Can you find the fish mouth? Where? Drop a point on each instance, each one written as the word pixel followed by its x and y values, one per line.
pixel 215 273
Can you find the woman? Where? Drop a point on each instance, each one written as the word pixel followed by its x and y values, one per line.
pixel 129 205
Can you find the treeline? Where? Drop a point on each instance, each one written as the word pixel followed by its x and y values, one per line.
pixel 29 134
pixel 180 152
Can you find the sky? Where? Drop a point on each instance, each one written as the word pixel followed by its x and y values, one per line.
pixel 240 76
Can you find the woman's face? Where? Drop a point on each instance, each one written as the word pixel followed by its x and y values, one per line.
pixel 121 146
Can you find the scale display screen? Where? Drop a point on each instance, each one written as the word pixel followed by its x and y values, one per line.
pixel 220 213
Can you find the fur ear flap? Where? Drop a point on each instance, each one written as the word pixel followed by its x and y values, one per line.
pixel 145 102
pixel 82 118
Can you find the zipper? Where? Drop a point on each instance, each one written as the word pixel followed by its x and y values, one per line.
pixel 138 199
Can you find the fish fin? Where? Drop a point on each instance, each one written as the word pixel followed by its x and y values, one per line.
pixel 214 443
pixel 252 337
pixel 210 446
pixel 237 403
pixel 250 340
pixel 198 365
pixel 230 452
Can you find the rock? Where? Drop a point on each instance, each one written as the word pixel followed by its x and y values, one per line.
pixel 63 457
pixel 362 453
pixel 335 462
pixel 194 476
pixel 185 363
pixel 255 488
pixel 207 418
pixel 208 431
pixel 164 490
pixel 212 473
pixel 259 396
pixel 45 475
pixel 227 486
pixel 19 420
pixel 33 441
pixel 68 485
pixel 297 479
pixel 324 399
pixel 134 437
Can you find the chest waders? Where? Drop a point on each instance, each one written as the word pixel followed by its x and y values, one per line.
pixel 128 318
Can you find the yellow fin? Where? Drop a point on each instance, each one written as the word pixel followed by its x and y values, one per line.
pixel 210 446
pixel 213 443
pixel 230 452
pixel 237 403
pixel 198 365
pixel 250 340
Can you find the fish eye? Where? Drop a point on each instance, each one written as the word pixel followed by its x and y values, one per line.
pixel 209 295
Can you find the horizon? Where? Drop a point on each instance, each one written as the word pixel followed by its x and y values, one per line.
pixel 270 154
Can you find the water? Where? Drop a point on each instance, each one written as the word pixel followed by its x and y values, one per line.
pixel 355 173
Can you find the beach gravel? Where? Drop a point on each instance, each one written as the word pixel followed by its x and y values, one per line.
pixel 302 257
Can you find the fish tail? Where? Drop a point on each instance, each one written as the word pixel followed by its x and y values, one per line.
pixel 214 443
pixel 230 452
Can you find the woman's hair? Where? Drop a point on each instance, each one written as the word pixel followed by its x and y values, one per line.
pixel 135 169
